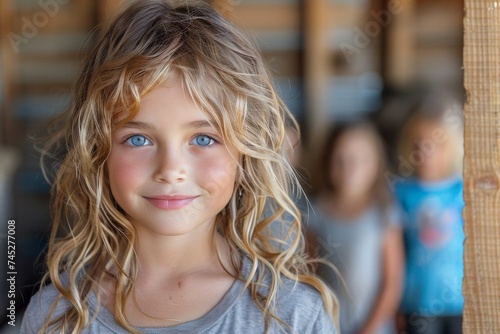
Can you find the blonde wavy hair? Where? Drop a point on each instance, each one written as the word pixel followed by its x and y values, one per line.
pixel 445 110
pixel 145 46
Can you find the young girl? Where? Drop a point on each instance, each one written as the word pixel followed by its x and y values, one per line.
pixel 432 201
pixel 171 152
pixel 358 229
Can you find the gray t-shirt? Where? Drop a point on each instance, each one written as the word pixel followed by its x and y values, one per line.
pixel 354 246
pixel 298 304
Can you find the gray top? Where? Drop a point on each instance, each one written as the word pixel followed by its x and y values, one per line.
pixel 354 246
pixel 298 304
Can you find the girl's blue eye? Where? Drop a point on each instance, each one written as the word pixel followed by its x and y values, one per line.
pixel 203 140
pixel 138 140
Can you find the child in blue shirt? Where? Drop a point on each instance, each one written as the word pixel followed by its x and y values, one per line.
pixel 431 198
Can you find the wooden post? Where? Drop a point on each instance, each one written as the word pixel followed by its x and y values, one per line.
pixel 316 66
pixel 8 63
pixel 481 284
pixel 316 74
pixel 398 69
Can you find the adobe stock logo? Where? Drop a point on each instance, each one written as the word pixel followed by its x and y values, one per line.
pixel 30 26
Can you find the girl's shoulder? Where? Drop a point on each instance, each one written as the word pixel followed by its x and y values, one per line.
pixel 414 184
pixel 40 306
pixel 317 215
pixel 391 214
pixel 298 304
pixel 305 305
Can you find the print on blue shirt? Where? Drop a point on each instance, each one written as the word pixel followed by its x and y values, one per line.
pixel 433 233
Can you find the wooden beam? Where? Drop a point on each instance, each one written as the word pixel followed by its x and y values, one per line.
pixel 8 65
pixel 481 284
pixel 317 70
pixel 263 16
pixel 64 20
pixel 344 15
pixel 400 45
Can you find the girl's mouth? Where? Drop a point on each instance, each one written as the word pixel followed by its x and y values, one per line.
pixel 170 202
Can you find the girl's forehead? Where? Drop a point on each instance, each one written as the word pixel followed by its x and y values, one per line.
pixel 167 104
pixel 356 137
pixel 354 144
pixel 423 127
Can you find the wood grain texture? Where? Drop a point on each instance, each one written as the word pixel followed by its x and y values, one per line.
pixel 481 284
pixel 8 65
pixel 316 70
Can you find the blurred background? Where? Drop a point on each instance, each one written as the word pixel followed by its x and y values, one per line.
pixel 333 60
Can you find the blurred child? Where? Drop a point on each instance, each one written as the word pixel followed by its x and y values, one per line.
pixel 357 228
pixel 432 200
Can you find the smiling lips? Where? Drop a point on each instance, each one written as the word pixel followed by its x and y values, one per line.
pixel 170 202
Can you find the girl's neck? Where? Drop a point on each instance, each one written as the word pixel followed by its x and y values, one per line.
pixel 436 177
pixel 179 278
pixel 170 257
pixel 348 206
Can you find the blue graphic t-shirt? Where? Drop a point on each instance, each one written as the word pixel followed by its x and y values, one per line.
pixel 433 233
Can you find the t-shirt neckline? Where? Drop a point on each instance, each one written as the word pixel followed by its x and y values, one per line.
pixel 191 327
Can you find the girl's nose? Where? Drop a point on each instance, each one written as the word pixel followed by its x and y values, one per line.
pixel 170 166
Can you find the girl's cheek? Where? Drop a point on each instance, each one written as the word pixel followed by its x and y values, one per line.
pixel 125 166
pixel 217 174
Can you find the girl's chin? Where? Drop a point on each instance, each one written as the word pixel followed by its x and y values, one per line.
pixel 349 194
pixel 429 175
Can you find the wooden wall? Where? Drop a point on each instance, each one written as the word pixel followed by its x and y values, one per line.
pixel 482 167
pixel 41 46
pixel 304 42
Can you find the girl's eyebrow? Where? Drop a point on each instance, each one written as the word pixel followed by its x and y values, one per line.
pixel 150 126
pixel 139 125
pixel 198 124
